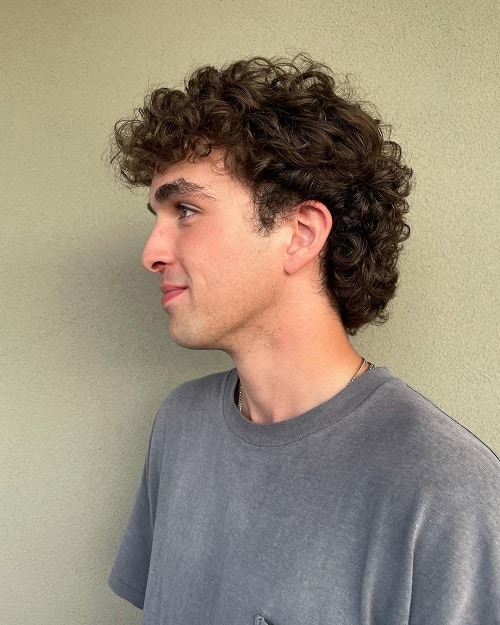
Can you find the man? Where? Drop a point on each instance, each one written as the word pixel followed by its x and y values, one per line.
pixel 305 485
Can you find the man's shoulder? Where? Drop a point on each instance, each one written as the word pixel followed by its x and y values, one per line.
pixel 409 433
pixel 192 404
pixel 416 415
pixel 208 385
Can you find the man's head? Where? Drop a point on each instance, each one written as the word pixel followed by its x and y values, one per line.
pixel 288 136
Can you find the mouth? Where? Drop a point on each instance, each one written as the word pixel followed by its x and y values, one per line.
pixel 171 292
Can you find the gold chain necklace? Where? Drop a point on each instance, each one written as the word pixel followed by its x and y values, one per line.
pixel 363 363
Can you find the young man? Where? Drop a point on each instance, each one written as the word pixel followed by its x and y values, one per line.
pixel 305 485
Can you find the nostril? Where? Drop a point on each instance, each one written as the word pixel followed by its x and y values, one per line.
pixel 157 266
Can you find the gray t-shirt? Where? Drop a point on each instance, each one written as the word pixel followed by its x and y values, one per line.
pixel 374 508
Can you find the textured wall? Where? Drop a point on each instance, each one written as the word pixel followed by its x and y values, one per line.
pixel 85 358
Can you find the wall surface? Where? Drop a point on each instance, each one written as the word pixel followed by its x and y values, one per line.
pixel 85 354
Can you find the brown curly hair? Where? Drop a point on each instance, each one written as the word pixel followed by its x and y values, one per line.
pixel 289 135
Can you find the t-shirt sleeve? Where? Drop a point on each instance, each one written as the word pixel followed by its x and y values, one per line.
pixel 129 576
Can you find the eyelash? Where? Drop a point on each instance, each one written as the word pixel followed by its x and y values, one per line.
pixel 185 207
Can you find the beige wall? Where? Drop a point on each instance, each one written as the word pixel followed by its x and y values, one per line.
pixel 85 358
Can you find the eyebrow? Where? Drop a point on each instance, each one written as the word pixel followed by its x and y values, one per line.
pixel 179 186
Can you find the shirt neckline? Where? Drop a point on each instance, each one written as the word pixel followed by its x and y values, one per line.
pixel 318 418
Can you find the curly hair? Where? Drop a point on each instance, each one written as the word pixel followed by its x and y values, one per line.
pixel 290 135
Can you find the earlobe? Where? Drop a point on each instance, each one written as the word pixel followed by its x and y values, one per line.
pixel 310 225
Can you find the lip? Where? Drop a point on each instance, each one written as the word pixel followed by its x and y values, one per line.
pixel 170 292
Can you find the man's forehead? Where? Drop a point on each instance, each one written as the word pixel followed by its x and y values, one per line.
pixel 214 162
pixel 204 176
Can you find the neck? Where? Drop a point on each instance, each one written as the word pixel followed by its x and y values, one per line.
pixel 294 368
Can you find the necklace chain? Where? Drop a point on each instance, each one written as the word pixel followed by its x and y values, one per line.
pixel 240 395
pixel 363 363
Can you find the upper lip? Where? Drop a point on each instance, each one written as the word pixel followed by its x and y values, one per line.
pixel 168 286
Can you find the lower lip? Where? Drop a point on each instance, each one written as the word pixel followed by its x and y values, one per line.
pixel 170 296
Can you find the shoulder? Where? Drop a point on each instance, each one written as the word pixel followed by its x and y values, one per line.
pixel 198 389
pixel 418 421
pixel 418 445
pixel 193 405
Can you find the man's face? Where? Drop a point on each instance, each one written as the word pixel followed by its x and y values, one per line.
pixel 221 279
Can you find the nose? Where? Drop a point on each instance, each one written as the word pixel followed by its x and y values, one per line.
pixel 157 253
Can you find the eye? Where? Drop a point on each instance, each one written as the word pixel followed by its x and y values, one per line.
pixel 185 211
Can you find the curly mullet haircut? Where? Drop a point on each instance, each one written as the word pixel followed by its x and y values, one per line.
pixel 289 136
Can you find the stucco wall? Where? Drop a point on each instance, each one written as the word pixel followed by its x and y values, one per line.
pixel 85 357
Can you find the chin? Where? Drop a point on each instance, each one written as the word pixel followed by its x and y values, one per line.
pixel 194 345
pixel 191 340
pixel 203 334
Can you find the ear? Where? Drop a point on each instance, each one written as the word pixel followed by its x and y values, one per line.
pixel 311 222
